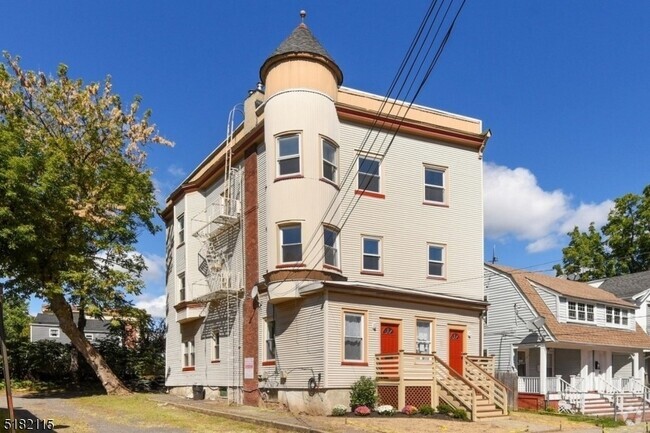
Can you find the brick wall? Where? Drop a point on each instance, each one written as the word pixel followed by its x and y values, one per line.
pixel 249 338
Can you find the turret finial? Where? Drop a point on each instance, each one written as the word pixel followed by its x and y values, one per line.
pixel 303 14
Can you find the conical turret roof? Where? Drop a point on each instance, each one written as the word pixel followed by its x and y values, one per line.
pixel 301 41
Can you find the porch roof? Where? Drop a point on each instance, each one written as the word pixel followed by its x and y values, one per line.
pixel 572 332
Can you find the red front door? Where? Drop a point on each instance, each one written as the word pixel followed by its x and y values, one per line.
pixel 389 342
pixel 456 350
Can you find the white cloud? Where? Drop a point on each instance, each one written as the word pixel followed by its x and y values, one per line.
pixel 516 206
pixel 587 213
pixel 154 305
pixel 176 171
pixel 155 273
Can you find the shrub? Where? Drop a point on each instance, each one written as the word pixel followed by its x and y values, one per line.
pixel 446 409
pixel 426 409
pixel 460 413
pixel 364 393
pixel 409 410
pixel 339 410
pixel 362 411
pixel 386 410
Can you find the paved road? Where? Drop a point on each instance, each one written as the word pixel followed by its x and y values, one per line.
pixel 67 418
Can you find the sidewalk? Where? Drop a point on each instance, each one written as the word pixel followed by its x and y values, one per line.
pixel 285 421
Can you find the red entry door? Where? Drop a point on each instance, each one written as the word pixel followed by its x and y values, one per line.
pixel 389 342
pixel 456 350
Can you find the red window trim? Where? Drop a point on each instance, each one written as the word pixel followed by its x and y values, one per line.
pixel 271 362
pixel 369 193
pixel 355 363
pixel 290 265
pixel 192 368
pixel 331 268
pixel 377 273
pixel 435 204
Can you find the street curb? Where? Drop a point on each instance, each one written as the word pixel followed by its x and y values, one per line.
pixel 243 418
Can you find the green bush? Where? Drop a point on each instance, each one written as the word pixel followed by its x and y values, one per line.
pixel 339 410
pixel 364 393
pixel 426 409
pixel 460 413
pixel 446 409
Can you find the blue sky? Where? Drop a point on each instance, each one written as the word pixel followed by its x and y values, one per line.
pixel 562 85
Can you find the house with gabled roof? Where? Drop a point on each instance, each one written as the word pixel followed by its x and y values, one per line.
pixel 571 344
pixel 634 288
pixel 45 326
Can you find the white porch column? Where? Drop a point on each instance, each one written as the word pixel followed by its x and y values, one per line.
pixel 542 369
pixel 635 367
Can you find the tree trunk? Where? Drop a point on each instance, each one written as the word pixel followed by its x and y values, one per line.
pixel 75 355
pixel 111 383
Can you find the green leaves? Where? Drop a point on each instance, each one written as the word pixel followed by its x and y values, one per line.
pixel 74 188
pixel 623 247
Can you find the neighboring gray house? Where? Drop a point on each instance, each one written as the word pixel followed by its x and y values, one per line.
pixel 45 326
pixel 634 288
pixel 572 345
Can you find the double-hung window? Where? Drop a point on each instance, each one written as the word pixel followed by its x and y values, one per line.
pixel 54 332
pixel 216 346
pixel 436 261
pixel 580 312
pixel 270 340
pixel 371 260
pixel 353 337
pixel 288 155
pixel 181 228
pixel 369 176
pixel 423 337
pixel 291 243
pixel 330 162
pixel 434 185
pixel 89 337
pixel 331 245
pixel 181 287
pixel 617 316
pixel 188 353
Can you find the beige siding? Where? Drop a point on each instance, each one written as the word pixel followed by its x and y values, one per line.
pixel 300 335
pixel 262 231
pixel 313 116
pixel 406 225
pixel 226 372
pixel 377 309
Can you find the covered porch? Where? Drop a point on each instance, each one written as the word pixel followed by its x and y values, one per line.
pixel 550 370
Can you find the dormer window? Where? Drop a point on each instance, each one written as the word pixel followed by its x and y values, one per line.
pixel 617 316
pixel 581 312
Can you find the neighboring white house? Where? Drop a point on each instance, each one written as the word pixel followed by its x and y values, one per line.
pixel 274 294
pixel 567 341
pixel 634 288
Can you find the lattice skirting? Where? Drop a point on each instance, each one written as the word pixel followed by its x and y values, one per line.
pixel 418 395
pixel 388 395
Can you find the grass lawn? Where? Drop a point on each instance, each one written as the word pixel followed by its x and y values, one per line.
pixel 138 410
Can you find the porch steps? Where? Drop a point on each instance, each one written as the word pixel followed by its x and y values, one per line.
pixel 599 406
pixel 484 409
pixel 602 407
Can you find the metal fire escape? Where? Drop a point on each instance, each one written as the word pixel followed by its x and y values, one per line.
pixel 219 229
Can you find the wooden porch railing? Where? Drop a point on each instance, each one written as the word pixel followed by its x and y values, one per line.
pixel 494 390
pixel 456 385
pixel 416 369
pixel 485 362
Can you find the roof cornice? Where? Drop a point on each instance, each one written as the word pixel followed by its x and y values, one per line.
pixel 468 140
